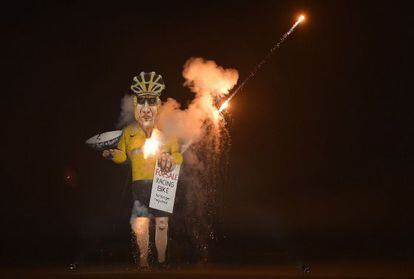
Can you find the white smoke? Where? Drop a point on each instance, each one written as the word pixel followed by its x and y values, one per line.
pixel 127 112
pixel 206 77
pixel 209 82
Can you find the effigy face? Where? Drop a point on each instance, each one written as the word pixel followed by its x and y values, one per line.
pixel 146 110
pixel 147 88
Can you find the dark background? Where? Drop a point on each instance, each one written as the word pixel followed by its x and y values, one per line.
pixel 320 166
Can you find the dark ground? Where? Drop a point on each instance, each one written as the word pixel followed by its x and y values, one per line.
pixel 346 270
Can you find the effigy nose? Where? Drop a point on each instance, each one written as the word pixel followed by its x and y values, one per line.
pixel 147 108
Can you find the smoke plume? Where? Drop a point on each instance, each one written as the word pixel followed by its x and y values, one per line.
pixel 127 112
pixel 205 76
pixel 209 82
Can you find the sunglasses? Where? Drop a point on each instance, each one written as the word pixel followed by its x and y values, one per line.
pixel 152 101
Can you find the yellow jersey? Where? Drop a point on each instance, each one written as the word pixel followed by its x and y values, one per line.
pixel 130 146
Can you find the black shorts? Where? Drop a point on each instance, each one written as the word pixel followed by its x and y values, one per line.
pixel 141 193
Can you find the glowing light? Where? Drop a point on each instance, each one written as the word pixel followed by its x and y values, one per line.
pixel 263 61
pixel 224 106
pixel 216 115
pixel 151 145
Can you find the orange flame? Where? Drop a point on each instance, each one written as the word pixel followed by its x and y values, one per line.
pixel 151 145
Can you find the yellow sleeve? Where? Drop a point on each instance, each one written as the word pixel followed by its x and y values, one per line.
pixel 175 152
pixel 120 154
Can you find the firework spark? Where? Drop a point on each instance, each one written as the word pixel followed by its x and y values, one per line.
pixel 151 145
pixel 262 62
pixel 224 105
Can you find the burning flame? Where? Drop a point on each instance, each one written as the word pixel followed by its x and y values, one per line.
pixel 151 145
pixel 224 106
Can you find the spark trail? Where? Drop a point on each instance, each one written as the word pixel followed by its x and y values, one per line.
pixel 261 63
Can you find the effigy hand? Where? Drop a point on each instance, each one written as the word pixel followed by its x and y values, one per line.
pixel 108 154
pixel 166 162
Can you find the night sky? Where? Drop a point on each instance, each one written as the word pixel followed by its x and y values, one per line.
pixel 320 162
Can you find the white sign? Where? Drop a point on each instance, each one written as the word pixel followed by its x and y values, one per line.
pixel 163 190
